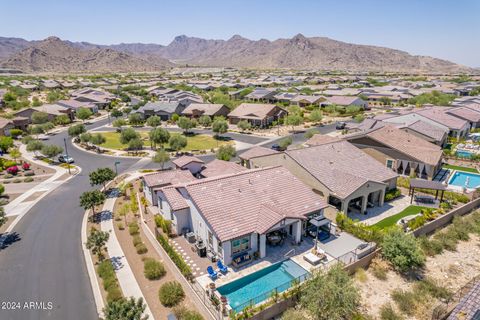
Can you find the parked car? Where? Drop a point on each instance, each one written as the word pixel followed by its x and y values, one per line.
pixel 340 125
pixel 65 159
pixel 277 147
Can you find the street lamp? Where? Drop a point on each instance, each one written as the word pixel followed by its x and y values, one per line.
pixel 66 153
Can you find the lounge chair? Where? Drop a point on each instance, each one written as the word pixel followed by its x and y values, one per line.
pixel 211 273
pixel 222 268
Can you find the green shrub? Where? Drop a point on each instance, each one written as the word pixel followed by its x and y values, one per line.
pixel 392 194
pixel 114 294
pixel 176 258
pixel 432 288
pixel 158 221
pixel 405 300
pixel 29 173
pixel 430 247
pixel 17 181
pixel 182 313
pixel 153 269
pixel 171 293
pixel 136 240
pixel 133 228
pixel 388 313
pixel 120 226
pixel 416 222
pixel 141 248
pixel 379 268
pixel 8 176
pixel 402 250
pixel 446 240
pixel 29 179
pixel 110 283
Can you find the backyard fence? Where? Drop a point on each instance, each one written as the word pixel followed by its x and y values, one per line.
pixel 205 296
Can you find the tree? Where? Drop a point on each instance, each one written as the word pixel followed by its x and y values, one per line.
pixel 294 120
pixel 402 250
pixel 125 309
pixel 90 199
pixel 15 133
pixel 310 133
pixel 36 130
pixel 62 119
pixel 175 117
pixel 51 150
pixel 116 113
pixel 135 144
pixel 47 126
pixel 14 153
pixel 85 137
pixel 119 123
pixel 205 121
pixel 83 113
pixel 154 121
pixel 177 142
pixel 123 211
pixel 39 117
pixel 226 152
pixel 97 139
pixel 285 142
pixel 244 125
pixel 135 119
pixel 101 176
pixel 161 157
pixel 96 242
pixel 5 143
pixel 76 130
pixel 330 295
pixel 185 123
pixel 34 146
pixel 359 118
pixel 36 102
pixel 158 136
pixel 128 134
pixel 316 116
pixel 219 126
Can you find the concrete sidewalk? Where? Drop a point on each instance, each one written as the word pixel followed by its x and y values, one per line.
pixel 125 275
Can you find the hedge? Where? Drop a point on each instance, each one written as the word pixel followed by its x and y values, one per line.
pixel 110 282
pixel 176 258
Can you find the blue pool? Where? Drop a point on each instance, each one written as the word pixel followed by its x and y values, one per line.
pixel 463 154
pixel 465 179
pixel 257 287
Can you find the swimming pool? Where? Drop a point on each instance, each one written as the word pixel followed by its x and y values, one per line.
pixel 258 286
pixel 463 154
pixel 459 179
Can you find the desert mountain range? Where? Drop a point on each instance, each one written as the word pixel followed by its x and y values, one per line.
pixel 299 52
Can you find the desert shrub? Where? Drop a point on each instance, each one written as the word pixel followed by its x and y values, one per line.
pixel 153 269
pixel 432 288
pixel 17 181
pixel 171 293
pixel 388 313
pixel 141 248
pixel 430 247
pixel 402 250
pixel 110 283
pixel 379 268
pixel 120 226
pixel 361 275
pixel 405 300
pixel 416 222
pixel 133 228
pixel 29 179
pixel 183 313
pixel 136 240
pixel 114 294
pixel 29 174
pixel 447 241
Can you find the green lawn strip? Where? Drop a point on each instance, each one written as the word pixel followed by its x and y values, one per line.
pixel 196 142
pixel 390 221
pixel 466 169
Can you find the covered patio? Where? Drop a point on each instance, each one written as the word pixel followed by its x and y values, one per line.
pixel 437 186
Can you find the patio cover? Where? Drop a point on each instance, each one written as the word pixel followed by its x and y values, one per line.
pixel 427 184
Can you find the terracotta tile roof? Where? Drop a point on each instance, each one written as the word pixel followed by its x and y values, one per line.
pixel 320 139
pixel 342 100
pixel 184 160
pixel 428 130
pixel 465 113
pixel 252 201
pixel 256 152
pixel 209 109
pixel 341 167
pixel 252 110
pixel 168 177
pixel 439 115
pixel 406 143
pixel 220 167
pixel 174 198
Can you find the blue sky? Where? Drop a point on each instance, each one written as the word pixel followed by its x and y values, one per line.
pixel 448 29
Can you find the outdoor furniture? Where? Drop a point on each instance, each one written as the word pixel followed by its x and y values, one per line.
pixel 424 199
pixel 274 239
pixel 241 259
pixel 221 267
pixel 211 255
pixel 211 273
pixel 190 236
pixel 311 258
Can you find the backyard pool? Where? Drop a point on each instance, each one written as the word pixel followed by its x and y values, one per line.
pixel 258 286
pixel 463 154
pixel 465 179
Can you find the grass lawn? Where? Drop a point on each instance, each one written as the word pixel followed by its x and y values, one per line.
pixel 390 221
pixel 196 142
pixel 466 169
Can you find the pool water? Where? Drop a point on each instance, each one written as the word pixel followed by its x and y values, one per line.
pixel 257 287
pixel 459 179
pixel 463 154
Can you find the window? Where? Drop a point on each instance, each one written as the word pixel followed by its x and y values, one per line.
pixel 240 244
pixel 210 238
pixel 389 163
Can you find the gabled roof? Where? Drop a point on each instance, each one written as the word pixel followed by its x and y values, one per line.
pixel 439 115
pixel 341 167
pixel 220 167
pixel 209 109
pixel 184 160
pixel 174 198
pixel 252 201
pixel 253 110
pixel 167 107
pixel 168 177
pixel 465 113
pixel 428 130
pixel 319 139
pixel 256 151
pixel 342 100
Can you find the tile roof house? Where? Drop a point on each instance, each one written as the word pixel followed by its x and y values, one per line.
pixel 219 167
pixel 196 110
pixel 155 181
pixel 340 172
pixel 164 110
pixel 468 114
pixel 233 213
pixel 75 105
pixel 52 110
pixel 257 114
pixel 193 164
pixel 344 101
pixel 400 151
pixel 254 152
pixel 262 94
pixel 5 126
pixel 304 100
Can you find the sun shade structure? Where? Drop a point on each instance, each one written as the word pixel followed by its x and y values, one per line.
pixel 426 184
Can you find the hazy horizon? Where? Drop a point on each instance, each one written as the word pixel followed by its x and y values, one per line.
pixel 441 29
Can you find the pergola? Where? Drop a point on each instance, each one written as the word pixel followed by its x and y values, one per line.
pixel 426 184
